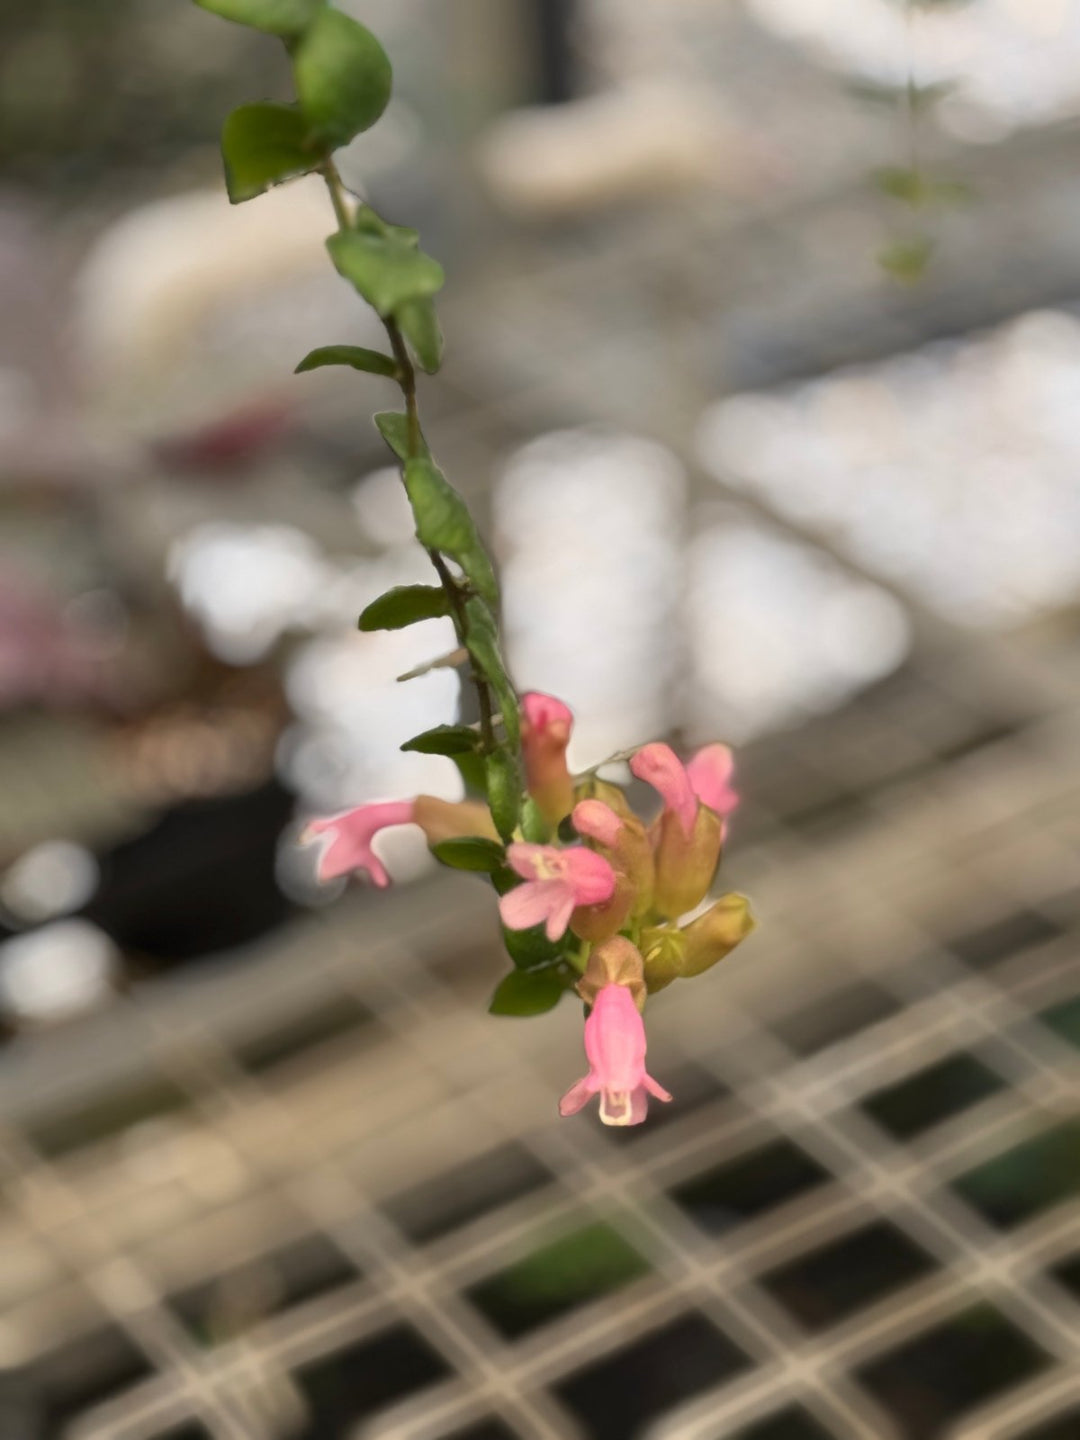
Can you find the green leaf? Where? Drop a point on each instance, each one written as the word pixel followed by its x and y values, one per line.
pixel 470 852
pixel 919 97
pixel 533 825
pixel 393 426
pixel 907 260
pixel 443 521
pixel 357 356
pixel 504 787
pixel 262 145
pixel 387 270
pixel 276 17
pixel 482 642
pixel 420 326
pixel 472 771
pixel 343 77
pixel 445 740
pixel 404 605
pixel 527 993
pixel 899 183
pixel 530 949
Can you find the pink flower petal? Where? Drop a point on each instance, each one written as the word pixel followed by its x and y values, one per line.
pixel 577 1096
pixel 540 712
pixel 591 877
pixel 654 1089
pixel 563 905
pixel 710 773
pixel 597 821
pixel 533 862
pixel 526 905
pixel 659 766
pixel 351 834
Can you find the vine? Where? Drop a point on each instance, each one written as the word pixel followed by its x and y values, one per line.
pixel 590 897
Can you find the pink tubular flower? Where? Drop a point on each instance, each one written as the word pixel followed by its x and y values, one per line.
pixel 689 832
pixel 557 882
pixel 352 832
pixel 706 778
pixel 615 1047
pixel 709 773
pixel 545 733
pixel 659 766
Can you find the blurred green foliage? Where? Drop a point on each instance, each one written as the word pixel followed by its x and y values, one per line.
pixel 91 87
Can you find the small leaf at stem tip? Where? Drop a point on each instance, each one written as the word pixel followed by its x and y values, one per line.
pixel 470 852
pixel 919 97
pixel 276 17
pixel 393 426
pixel 907 260
pixel 343 77
pixel 910 187
pixel 445 740
pixel 527 993
pixel 419 324
pixel 357 356
pixel 387 270
pixel 504 786
pixel 444 662
pixel 404 605
pixel 263 145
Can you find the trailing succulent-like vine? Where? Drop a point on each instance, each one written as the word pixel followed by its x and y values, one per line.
pixel 591 898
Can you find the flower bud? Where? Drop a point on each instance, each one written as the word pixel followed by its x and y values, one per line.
pixel 449 820
pixel 623 839
pixel 599 922
pixel 545 734
pixel 686 861
pixel 716 933
pixel 663 950
pixel 615 962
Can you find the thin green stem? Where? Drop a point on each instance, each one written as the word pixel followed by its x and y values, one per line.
pixel 406 378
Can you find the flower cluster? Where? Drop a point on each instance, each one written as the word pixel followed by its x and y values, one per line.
pixel 591 896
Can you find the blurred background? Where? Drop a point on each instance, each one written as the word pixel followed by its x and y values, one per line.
pixel 763 380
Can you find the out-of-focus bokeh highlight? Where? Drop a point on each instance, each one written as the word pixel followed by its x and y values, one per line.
pixel 763 379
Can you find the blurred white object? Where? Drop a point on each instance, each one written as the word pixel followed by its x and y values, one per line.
pixel 54 878
pixel 1015 62
pixel 589 526
pixel 57 971
pixel 779 631
pixel 248 585
pixel 954 470
pixel 158 279
pixel 646 138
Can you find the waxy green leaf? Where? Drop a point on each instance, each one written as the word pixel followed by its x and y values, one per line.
pixel 343 77
pixel 419 324
pixel 276 17
pixel 357 356
pixel 470 852
pixel 445 740
pixel 443 523
pixel 262 145
pixel 404 605
pixel 482 642
pixel 504 786
pixel 388 271
pixel 525 992
pixel 393 426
